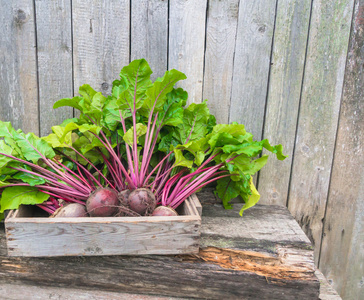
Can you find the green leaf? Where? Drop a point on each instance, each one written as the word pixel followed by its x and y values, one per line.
pixel 278 149
pixel 6 150
pixel 87 93
pixel 30 145
pixel 157 93
pixel 137 78
pixel 13 197
pixel 180 160
pixel 172 111
pixel 10 135
pixel 252 199
pixel 129 135
pixel 72 102
pixel 194 123
pixel 226 190
pixel 29 178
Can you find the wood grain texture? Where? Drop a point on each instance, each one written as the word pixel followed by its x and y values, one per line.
pixel 187 20
pixel 289 50
pixel 222 21
pixel 100 42
pixel 18 65
pixel 318 117
pixel 251 64
pixel 149 34
pixel 15 292
pixel 265 265
pixel 327 292
pixel 342 255
pixel 54 49
pixel 30 236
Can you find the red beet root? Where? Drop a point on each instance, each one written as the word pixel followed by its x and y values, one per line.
pixel 142 201
pixel 71 210
pixel 103 202
pixel 164 211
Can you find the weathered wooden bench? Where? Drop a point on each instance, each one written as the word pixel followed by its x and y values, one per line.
pixel 264 255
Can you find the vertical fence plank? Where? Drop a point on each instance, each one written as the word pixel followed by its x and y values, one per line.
pixel 251 63
pixel 221 27
pixel 18 65
pixel 149 34
pixel 318 117
pixel 100 42
pixel 289 49
pixel 54 48
pixel 187 43
pixel 342 252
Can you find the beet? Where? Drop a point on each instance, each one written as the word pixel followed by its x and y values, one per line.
pixel 102 202
pixel 142 201
pixel 164 211
pixel 71 210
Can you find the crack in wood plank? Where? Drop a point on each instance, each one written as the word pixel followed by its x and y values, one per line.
pixel 290 264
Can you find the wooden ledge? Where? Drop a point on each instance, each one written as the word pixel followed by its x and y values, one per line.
pixel 264 255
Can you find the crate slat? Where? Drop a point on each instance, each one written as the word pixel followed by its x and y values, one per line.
pixel 27 236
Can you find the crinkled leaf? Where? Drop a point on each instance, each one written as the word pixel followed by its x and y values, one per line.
pixel 6 150
pixel 194 126
pixel 13 197
pixel 180 160
pixel 30 145
pixel 137 76
pixel 277 150
pixel 72 102
pixel 157 93
pixel 29 178
pixel 226 190
pixel 252 199
pixel 129 135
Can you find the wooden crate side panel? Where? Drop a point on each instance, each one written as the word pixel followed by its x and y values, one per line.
pixel 103 236
pixel 289 50
pixel 342 251
pixel 187 44
pixel 60 238
pixel 149 34
pixel 100 42
pixel 318 116
pixel 251 64
pixel 18 69
pixel 222 21
pixel 54 50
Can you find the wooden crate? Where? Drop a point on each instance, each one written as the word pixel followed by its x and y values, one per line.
pixel 41 236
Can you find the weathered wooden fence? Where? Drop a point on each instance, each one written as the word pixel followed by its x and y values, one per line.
pixel 290 70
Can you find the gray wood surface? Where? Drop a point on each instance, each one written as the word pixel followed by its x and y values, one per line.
pixel 100 42
pixel 327 292
pixel 222 21
pixel 54 50
pixel 16 292
pixel 18 65
pixel 289 51
pixel 318 116
pixel 149 34
pixel 37 236
pixel 342 255
pixel 251 64
pixel 264 255
pixel 35 38
pixel 186 48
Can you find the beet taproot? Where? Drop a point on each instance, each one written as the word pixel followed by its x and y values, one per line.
pixel 164 211
pixel 142 201
pixel 71 210
pixel 103 202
